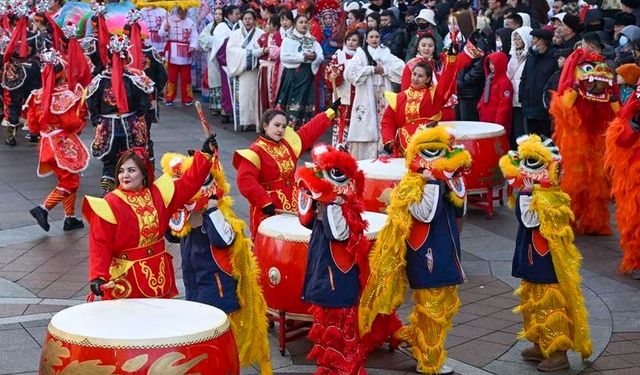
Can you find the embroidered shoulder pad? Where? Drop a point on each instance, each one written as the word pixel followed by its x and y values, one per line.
pixel 142 82
pixel 93 86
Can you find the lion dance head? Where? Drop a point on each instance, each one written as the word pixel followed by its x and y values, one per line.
pixel 331 173
pixel 535 159
pixel 175 165
pixel 435 149
pixel 590 75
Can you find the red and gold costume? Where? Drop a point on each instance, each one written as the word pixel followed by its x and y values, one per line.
pixel 126 242
pixel 266 168
pixel 582 109
pixel 57 114
pixel 622 161
pixel 413 108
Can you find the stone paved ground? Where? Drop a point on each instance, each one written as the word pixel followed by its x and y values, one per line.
pixel 42 273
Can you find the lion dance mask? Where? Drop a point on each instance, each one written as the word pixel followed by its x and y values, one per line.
pixel 582 108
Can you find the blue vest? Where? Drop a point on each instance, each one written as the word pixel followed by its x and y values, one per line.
pixel 331 278
pixel 433 249
pixel 205 279
pixel 532 259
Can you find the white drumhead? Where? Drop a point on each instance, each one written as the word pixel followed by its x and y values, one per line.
pixel 375 169
pixel 138 322
pixel 376 222
pixel 287 227
pixel 284 227
pixel 474 129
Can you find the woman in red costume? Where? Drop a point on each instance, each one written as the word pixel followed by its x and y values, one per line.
pixel 126 243
pixel 426 52
pixel 270 70
pixel 422 102
pixel 266 167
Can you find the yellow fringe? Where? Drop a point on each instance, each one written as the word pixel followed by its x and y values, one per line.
pixel 429 323
pixel 387 281
pixel 250 322
pixel 553 208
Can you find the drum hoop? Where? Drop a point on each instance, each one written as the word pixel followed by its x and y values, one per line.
pixel 92 342
pixel 382 178
pixel 290 315
pixel 299 238
pixel 495 134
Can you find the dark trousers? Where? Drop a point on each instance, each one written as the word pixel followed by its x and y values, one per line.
pixel 467 110
pixel 537 126
pixel 517 124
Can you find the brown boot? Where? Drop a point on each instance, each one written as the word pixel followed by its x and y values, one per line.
pixel 558 361
pixel 532 354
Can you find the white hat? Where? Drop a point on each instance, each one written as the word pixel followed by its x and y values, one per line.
pixel 427 15
pixel 559 16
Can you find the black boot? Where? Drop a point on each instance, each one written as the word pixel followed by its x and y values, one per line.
pixel 71 223
pixel 11 136
pixel 41 215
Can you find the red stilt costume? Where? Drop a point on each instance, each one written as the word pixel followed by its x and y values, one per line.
pixel 582 109
pixel 266 168
pixel 57 114
pixel 126 243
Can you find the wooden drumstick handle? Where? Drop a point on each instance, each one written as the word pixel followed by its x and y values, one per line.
pixel 110 285
pixel 281 211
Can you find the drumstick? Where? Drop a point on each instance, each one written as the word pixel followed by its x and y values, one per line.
pixel 281 211
pixel 110 285
pixel 203 120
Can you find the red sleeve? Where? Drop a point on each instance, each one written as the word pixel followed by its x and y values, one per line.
pixel 316 31
pixel 74 119
pixel 447 83
pixel 187 186
pixel 312 130
pixel 505 105
pixel 33 119
pixel 101 239
pixel 388 125
pixel 462 60
pixel 405 81
pixel 249 184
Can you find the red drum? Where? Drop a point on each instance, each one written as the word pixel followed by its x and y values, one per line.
pixel 281 248
pixel 140 336
pixel 380 176
pixel 486 142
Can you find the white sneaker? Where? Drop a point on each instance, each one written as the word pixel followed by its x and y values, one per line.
pixel 444 370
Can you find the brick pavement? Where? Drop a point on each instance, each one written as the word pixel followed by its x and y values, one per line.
pixel 42 273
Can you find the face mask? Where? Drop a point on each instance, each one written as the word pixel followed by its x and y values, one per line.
pixel 535 48
pixel 348 22
pixel 451 28
pixel 498 46
pixel 623 40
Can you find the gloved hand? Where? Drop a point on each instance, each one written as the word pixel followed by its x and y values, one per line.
pixel 95 286
pixel 388 148
pixel 269 209
pixel 335 105
pixel 210 145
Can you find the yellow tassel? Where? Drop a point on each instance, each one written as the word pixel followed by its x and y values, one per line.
pixel 387 282
pixel 251 320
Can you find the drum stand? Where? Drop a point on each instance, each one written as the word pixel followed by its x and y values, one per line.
pixel 289 329
pixel 484 198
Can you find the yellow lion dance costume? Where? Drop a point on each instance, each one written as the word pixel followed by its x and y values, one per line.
pixel 546 259
pixel 248 318
pixel 414 247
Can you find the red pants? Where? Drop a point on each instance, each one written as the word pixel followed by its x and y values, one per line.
pixel 67 181
pixel 184 71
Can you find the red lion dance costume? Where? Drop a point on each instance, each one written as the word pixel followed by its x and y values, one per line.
pixel 337 265
pixel 622 161
pixel 582 108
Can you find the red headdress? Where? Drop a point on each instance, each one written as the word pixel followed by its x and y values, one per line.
pixel 118 46
pixel 79 71
pixel 327 5
pixel 136 39
pixel 306 6
pixel 53 65
pixel 19 33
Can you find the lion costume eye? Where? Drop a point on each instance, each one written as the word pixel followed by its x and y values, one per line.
pixel 432 153
pixel 208 181
pixel 336 176
pixel 533 164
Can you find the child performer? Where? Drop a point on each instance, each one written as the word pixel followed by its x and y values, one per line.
pixel 420 242
pixel 547 261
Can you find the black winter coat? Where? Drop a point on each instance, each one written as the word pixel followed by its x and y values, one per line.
pixel 537 70
pixel 471 80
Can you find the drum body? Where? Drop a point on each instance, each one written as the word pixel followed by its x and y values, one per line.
pixel 487 143
pixel 380 176
pixel 140 336
pixel 281 247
